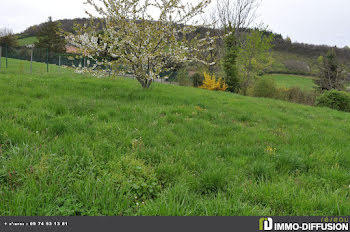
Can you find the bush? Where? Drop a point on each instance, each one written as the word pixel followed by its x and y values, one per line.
pixel 347 77
pixel 265 88
pixel 211 83
pixel 197 80
pixel 183 78
pixel 297 95
pixel 333 99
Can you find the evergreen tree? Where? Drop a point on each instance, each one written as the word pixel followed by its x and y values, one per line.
pixel 331 74
pixel 229 63
pixel 49 37
pixel 7 38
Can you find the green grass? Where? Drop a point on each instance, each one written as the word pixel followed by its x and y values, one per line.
pixel 22 67
pixel 27 41
pixel 75 145
pixel 288 81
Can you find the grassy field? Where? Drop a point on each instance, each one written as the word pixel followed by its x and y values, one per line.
pixel 22 67
pixel 288 81
pixel 27 41
pixel 75 145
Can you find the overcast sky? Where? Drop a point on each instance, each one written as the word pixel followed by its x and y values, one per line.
pixel 309 21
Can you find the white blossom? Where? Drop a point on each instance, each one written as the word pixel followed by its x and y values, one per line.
pixel 137 41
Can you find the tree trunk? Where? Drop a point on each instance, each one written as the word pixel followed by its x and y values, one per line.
pixel 146 83
pixel 149 82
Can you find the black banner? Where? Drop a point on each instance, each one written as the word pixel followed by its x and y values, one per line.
pixel 178 224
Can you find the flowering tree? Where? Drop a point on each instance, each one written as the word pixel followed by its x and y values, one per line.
pixel 206 51
pixel 146 36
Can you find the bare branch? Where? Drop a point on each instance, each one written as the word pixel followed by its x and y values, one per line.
pixel 238 14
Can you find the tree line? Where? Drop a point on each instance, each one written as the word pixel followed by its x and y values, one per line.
pixel 7 37
pixel 280 43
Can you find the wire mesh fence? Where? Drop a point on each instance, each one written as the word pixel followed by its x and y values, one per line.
pixel 31 60
pixel 40 60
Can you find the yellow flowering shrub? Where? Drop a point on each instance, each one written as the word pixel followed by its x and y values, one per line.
pixel 211 83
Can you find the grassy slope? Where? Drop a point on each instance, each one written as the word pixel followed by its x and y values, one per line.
pixel 27 41
pixel 73 145
pixel 22 67
pixel 281 57
pixel 288 81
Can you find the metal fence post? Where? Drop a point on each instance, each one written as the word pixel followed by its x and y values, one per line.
pixel 6 54
pixel 31 61
pixel 82 66
pixel 59 63
pixel 0 56
pixel 47 60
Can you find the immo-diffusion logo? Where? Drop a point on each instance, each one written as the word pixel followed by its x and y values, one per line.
pixel 340 224
pixel 265 224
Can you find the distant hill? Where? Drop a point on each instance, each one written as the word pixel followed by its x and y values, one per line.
pixel 67 25
pixel 24 41
pixel 301 58
pixel 289 57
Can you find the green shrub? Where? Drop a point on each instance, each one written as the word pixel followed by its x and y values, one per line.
pixel 197 80
pixel 334 99
pixel 265 88
pixel 183 78
pixel 268 88
pixel 297 95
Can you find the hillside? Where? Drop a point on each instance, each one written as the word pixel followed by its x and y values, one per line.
pixel 300 58
pixel 76 145
pixel 67 25
pixel 289 81
pixel 289 58
pixel 27 41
